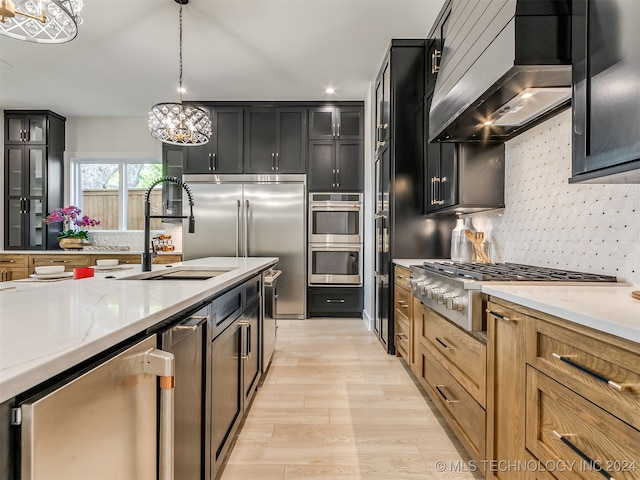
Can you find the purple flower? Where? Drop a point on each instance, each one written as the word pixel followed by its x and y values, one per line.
pixel 72 222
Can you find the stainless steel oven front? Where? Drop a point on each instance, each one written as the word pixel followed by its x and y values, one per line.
pixel 335 218
pixel 335 264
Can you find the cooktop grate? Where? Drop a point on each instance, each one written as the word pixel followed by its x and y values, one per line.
pixel 512 271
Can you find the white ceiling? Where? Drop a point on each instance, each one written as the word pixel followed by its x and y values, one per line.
pixel 125 57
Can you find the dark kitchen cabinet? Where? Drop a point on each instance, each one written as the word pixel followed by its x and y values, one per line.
pixel 335 301
pixel 336 165
pixel 434 47
pixel 172 161
pixel 462 178
pixel 399 167
pixel 34 148
pixel 336 123
pixel 275 140
pixel 336 158
pixel 606 91
pixel 223 153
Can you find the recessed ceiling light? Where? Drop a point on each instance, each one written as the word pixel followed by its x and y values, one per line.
pixel 527 95
pixel 330 90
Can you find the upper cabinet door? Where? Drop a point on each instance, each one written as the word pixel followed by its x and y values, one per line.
pixel 606 93
pixel 322 123
pixel 260 141
pixel 291 140
pixel 28 128
pixel 223 153
pixel 350 122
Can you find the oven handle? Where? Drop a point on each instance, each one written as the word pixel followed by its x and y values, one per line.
pixel 332 207
pixel 332 247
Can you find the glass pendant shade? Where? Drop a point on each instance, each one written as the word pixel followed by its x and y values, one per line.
pixel 40 21
pixel 179 124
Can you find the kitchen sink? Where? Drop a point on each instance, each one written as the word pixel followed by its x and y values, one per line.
pixel 181 274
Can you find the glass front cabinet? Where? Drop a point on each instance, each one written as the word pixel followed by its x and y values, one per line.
pixel 34 148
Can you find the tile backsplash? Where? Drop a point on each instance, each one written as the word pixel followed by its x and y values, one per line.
pixel 549 222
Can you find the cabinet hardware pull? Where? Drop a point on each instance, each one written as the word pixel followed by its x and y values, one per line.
pixel 435 68
pixel 58 261
pixel 341 300
pixel 501 317
pixel 244 323
pixel 593 464
pixel 7 261
pixel 595 375
pixel 210 162
pixel 403 304
pixel 215 162
pixel 444 345
pixel 402 337
pixel 338 131
pixel 273 160
pixel 333 129
pixel 438 387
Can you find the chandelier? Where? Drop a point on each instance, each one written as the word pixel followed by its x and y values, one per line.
pixel 40 21
pixel 176 123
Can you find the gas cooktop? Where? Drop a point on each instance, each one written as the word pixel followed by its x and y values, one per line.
pixel 511 272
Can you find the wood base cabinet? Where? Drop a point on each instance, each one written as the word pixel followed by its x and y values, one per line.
pixel 403 307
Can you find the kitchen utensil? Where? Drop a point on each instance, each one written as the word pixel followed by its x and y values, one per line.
pixel 49 269
pixel 107 262
pixel 476 244
pixel 466 248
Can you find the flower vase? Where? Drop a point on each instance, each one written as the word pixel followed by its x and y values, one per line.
pixel 70 243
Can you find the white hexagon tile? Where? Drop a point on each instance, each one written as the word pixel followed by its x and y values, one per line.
pixel 549 222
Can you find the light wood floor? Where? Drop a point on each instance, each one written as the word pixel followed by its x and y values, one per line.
pixel 335 406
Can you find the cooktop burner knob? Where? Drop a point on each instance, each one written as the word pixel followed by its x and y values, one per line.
pixel 454 303
pixel 442 297
pixel 432 292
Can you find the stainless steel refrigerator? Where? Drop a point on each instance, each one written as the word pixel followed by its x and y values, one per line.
pixel 254 216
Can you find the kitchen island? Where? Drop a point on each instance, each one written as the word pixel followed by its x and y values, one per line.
pixel 46 328
pixel 79 361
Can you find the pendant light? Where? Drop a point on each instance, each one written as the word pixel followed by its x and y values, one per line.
pixel 179 124
pixel 40 21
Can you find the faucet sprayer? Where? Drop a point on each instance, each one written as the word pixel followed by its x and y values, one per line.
pixel 147 256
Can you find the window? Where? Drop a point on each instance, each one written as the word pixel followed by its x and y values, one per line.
pixel 112 190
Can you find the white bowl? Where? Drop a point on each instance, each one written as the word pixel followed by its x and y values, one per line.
pixel 107 262
pixel 49 269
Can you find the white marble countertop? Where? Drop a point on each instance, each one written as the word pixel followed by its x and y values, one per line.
pixel 607 308
pixel 46 328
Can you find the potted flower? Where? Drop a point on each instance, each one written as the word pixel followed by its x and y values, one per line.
pixel 72 235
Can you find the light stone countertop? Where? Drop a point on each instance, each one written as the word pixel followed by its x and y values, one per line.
pixel 46 328
pixel 81 252
pixel 607 308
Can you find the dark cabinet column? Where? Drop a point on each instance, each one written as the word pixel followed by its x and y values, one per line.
pixel 322 165
pixel 291 141
pixel 260 141
pixel 349 174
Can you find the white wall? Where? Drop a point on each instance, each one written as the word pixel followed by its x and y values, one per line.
pixel 549 222
pixel 110 135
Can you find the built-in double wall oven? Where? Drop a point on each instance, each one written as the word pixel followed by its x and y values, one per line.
pixel 335 239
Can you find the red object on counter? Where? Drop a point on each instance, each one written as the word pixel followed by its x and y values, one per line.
pixel 82 272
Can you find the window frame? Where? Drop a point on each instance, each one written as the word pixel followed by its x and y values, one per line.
pixel 122 159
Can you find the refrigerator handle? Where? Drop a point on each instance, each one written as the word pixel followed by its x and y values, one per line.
pixel 238 229
pixel 246 228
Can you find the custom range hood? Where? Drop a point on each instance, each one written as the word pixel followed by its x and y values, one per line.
pixel 506 65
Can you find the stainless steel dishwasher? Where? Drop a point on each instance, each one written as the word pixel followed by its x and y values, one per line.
pixel 186 340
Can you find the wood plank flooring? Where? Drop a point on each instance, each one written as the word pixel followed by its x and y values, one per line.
pixel 335 406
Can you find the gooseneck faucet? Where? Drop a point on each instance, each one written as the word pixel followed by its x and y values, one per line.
pixel 147 255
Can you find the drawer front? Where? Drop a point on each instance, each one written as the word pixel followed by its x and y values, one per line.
pixel 401 277
pixel 166 259
pixel 69 261
pixel 123 259
pixel 585 362
pixel 12 261
pixel 335 300
pixel 562 427
pixel 403 300
pixel 9 274
pixel 403 338
pixel 464 356
pixel 466 417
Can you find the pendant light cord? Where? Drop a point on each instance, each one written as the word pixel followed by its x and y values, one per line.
pixel 180 88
